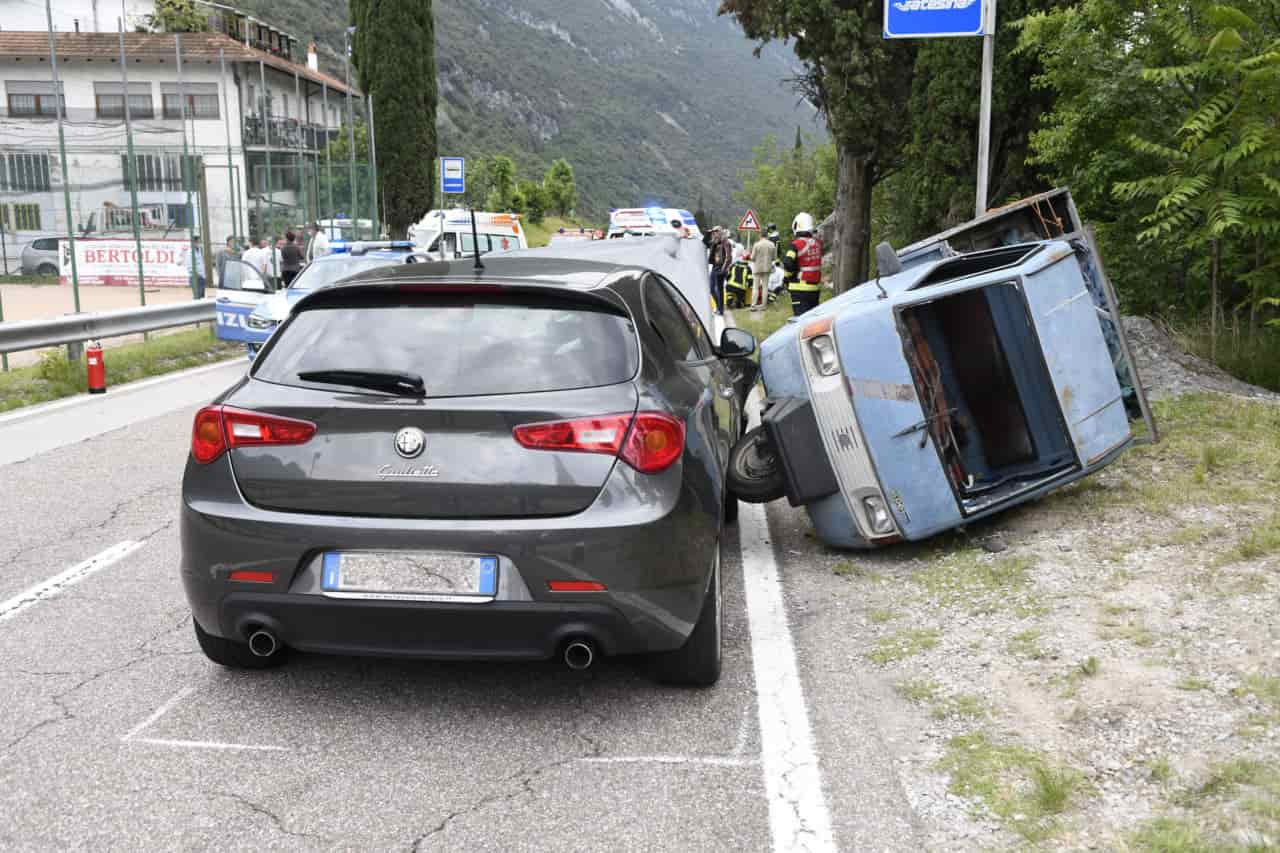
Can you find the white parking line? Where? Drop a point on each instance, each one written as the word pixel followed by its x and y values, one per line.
pixel 798 817
pixel 131 736
pixel 159 712
pixel 72 576
pixel 208 744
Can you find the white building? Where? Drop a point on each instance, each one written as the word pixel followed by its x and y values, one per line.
pixel 248 103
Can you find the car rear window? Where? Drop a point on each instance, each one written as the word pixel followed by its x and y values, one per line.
pixel 325 273
pixel 460 346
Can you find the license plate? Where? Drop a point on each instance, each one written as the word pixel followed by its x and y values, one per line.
pixel 409 573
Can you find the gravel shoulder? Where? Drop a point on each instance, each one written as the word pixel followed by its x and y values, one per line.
pixel 1099 670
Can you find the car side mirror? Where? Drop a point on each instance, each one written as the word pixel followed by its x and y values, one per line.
pixel 736 343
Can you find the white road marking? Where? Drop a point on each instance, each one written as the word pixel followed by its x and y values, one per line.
pixel 72 576
pixel 131 736
pixel 208 744
pixel 159 712
pixel 798 816
pixel 709 760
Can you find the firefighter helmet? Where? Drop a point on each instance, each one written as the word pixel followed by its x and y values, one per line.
pixel 802 224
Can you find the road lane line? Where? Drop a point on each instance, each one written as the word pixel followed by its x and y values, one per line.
pixel 798 817
pixel 159 712
pixel 72 576
pixel 208 744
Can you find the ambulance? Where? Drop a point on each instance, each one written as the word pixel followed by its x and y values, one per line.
pixel 449 231
pixel 648 221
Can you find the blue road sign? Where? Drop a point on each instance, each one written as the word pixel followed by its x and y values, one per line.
pixel 453 175
pixel 933 18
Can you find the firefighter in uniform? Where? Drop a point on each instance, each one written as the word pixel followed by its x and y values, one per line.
pixel 737 286
pixel 803 265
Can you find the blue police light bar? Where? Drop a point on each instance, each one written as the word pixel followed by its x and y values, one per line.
pixel 934 18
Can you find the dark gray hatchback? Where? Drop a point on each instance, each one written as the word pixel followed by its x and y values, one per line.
pixel 436 462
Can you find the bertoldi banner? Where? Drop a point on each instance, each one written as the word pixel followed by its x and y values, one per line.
pixel 933 18
pixel 114 261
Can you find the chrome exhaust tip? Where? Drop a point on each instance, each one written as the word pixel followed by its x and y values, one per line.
pixel 579 654
pixel 263 643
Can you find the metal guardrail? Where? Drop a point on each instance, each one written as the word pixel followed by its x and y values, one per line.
pixel 77 328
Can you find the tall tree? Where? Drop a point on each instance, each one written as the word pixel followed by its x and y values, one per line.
pixel 502 178
pixel 562 189
pixel 394 50
pixel 861 82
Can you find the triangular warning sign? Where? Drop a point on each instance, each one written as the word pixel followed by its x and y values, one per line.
pixel 749 222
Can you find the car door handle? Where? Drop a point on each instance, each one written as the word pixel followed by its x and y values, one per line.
pixel 224 299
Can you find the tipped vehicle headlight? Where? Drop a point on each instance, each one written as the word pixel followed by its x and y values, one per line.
pixel 823 349
pixel 878 514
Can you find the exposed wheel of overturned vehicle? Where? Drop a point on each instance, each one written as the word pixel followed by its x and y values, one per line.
pixel 697 662
pixel 755 472
pixel 235 655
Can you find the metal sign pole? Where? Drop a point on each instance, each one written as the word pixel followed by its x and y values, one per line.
pixel 186 162
pixel 984 111
pixel 351 146
pixel 62 153
pixel 328 157
pixel 131 173
pixel 265 229
pixel 373 168
pixel 226 125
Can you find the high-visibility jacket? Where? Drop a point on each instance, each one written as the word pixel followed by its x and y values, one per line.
pixel 739 276
pixel 804 262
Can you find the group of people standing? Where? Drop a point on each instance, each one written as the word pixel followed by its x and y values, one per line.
pixel 279 260
pixel 801 261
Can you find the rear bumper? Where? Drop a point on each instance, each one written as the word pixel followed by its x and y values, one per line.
pixel 650 540
pixel 499 630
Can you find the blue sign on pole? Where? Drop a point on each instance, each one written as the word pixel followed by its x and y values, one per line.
pixel 453 175
pixel 933 18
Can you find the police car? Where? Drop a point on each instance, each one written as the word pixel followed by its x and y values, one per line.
pixel 343 260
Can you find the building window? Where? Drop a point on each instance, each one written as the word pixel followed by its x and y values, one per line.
pixel 161 173
pixel 112 106
pixel 198 106
pixel 24 172
pixel 34 105
pixel 26 217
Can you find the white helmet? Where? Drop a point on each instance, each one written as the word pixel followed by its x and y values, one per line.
pixel 802 222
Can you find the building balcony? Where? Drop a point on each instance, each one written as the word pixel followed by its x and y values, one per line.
pixel 287 133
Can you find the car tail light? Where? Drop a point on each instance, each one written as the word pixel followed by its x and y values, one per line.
pixel 218 429
pixel 576 586
pixel 649 441
pixel 655 442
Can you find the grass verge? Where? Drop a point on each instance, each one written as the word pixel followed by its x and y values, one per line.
pixel 1020 786
pixel 902 645
pixel 539 234
pixel 54 377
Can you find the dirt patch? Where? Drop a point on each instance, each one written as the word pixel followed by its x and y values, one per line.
pixel 1168 370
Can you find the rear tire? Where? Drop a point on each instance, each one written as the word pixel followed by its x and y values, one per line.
pixel 47 270
pixel 697 662
pixel 755 472
pixel 235 655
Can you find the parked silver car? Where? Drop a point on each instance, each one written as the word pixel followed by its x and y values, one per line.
pixel 40 257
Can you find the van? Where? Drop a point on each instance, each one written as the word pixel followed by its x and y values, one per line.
pixel 449 231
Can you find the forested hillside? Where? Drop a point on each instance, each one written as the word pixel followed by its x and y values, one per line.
pixel 647 100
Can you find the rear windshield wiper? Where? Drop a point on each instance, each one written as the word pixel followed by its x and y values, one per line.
pixel 391 381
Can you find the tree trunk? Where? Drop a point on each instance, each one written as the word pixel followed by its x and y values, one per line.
pixel 1254 295
pixel 853 219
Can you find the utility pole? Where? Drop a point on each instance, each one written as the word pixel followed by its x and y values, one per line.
pixel 131 172
pixel 373 169
pixel 351 142
pixel 328 158
pixel 226 124
pixel 302 159
pixel 187 179
pixel 266 124
pixel 984 109
pixel 62 154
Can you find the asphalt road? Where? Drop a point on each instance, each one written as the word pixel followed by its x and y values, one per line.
pixel 119 734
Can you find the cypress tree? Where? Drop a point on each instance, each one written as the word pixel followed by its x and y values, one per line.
pixel 393 50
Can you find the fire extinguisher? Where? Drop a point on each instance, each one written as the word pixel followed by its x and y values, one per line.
pixel 97 367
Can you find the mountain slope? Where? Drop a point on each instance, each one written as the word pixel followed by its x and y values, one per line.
pixel 650 101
